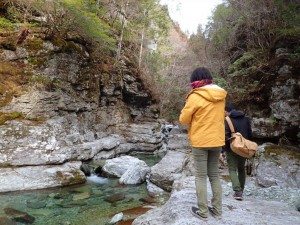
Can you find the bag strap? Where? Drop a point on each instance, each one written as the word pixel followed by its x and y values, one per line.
pixel 230 124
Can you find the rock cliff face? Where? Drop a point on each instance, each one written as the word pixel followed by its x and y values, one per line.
pixel 272 99
pixel 60 105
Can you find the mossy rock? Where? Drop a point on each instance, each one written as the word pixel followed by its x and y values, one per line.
pixel 9 116
pixel 67 46
pixel 278 150
pixel 9 45
pixel 77 178
pixel 9 42
pixel 33 44
pixel 13 80
pixel 37 61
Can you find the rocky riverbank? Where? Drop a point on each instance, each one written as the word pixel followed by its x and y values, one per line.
pixel 272 193
pixel 272 205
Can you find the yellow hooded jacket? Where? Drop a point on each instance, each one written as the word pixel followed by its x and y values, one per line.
pixel 204 114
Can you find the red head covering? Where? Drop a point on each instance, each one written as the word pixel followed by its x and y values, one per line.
pixel 200 83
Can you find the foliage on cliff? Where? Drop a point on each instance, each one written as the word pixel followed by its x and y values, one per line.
pixel 118 35
pixel 238 45
pixel 242 39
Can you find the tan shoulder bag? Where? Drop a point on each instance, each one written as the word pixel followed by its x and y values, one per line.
pixel 239 144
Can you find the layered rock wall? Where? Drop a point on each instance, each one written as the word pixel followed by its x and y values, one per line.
pixel 72 110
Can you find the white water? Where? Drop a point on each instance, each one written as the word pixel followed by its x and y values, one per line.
pixel 95 179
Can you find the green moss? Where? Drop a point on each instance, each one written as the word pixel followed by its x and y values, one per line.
pixel 5 165
pixel 34 44
pixel 44 82
pixel 15 14
pixel 273 121
pixel 9 116
pixel 40 79
pixel 287 32
pixel 6 24
pixel 278 150
pixel 2 121
pixel 14 115
pixel 76 179
pixel 39 61
pixel 67 46
pixel 34 24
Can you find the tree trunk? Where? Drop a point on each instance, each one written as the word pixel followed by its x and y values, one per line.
pixel 122 32
pixel 141 48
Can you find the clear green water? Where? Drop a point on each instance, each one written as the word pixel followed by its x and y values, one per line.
pixel 77 205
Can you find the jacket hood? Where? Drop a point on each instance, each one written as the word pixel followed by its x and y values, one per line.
pixel 235 113
pixel 212 93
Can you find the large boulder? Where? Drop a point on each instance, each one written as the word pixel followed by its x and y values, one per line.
pixel 277 167
pixel 129 169
pixel 38 177
pixel 169 169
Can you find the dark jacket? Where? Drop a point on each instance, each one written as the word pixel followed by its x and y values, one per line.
pixel 241 124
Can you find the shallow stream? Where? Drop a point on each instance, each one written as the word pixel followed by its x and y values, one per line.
pixel 93 203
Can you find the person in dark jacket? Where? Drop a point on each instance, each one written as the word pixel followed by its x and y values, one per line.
pixel 236 163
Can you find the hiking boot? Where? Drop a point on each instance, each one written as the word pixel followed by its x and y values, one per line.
pixel 212 212
pixel 195 211
pixel 238 195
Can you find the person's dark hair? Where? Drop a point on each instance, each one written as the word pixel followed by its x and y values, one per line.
pixel 229 107
pixel 201 73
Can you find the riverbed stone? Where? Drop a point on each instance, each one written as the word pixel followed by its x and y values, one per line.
pixel 129 169
pixel 116 218
pixel 154 190
pixel 6 221
pixel 168 169
pixel 19 216
pixel 36 204
pixel 80 196
pixel 38 177
pixel 115 197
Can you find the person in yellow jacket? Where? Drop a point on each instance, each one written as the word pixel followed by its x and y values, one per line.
pixel 204 113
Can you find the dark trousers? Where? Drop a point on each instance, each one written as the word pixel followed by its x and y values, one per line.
pixel 236 167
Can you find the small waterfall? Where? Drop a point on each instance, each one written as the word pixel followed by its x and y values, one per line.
pixel 96 179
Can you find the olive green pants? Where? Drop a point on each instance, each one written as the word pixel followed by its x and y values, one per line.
pixel 236 167
pixel 206 162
